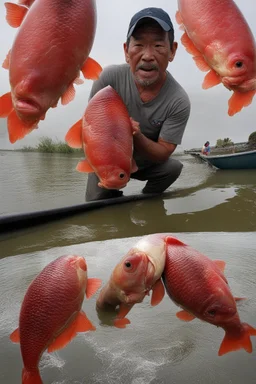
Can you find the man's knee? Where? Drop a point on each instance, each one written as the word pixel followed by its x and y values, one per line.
pixel 171 169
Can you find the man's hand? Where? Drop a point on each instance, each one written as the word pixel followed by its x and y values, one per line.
pixel 135 126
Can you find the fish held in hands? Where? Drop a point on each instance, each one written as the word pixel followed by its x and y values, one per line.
pixel 221 42
pixel 106 134
pixel 198 285
pixel 50 50
pixel 51 315
pixel 138 273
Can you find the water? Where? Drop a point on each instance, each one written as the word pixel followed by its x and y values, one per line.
pixel 213 211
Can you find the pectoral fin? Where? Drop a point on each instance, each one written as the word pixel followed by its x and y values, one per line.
pixel 158 292
pixel 15 336
pixel 84 166
pixel 91 69
pixel 15 14
pixel 74 135
pixel 80 324
pixel 92 287
pixel 211 79
pixel 239 100
pixel 185 316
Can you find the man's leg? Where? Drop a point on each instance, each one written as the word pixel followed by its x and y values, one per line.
pixel 94 192
pixel 159 176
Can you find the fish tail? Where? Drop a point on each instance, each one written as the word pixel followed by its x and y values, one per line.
pixel 239 100
pixel 31 377
pixel 234 342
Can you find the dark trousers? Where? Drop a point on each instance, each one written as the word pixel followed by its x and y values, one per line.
pixel 159 177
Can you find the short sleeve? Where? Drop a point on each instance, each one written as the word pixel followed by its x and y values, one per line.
pixel 107 77
pixel 174 126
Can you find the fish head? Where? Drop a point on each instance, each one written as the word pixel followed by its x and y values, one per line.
pixel 30 103
pixel 133 277
pixel 112 177
pixel 240 72
pixel 220 308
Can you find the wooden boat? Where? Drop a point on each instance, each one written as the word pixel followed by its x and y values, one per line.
pixel 240 160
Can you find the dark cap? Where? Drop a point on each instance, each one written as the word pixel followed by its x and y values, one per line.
pixel 157 14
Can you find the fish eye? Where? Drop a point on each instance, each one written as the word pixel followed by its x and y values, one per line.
pixel 128 264
pixel 239 64
pixel 212 312
pixel 121 175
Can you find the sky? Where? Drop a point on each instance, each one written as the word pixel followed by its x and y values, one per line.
pixel 208 120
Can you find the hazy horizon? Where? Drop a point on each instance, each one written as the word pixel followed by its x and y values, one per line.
pixel 209 119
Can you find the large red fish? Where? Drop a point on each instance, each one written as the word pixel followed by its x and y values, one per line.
pixel 106 134
pixel 198 285
pixel 134 277
pixel 222 44
pixel 51 313
pixel 50 49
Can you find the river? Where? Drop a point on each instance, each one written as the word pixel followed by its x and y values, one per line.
pixel 213 211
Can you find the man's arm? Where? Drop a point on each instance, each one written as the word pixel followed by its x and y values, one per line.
pixel 157 152
pixel 170 135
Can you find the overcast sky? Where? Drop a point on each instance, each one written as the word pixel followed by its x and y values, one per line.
pixel 209 119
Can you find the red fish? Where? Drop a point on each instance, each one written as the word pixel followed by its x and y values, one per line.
pixel 222 44
pixel 134 277
pixel 106 134
pixel 198 285
pixel 50 49
pixel 51 313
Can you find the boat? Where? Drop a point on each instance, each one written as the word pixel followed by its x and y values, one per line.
pixel 240 160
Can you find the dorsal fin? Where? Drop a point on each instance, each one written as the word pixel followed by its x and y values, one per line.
pixel 173 241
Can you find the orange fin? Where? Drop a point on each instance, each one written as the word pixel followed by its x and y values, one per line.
pixel 68 95
pixel 6 62
pixel 74 135
pixel 189 45
pixel 185 316
pixel 91 69
pixel 134 166
pixel 15 336
pixel 6 104
pixel 92 287
pixel 158 292
pixel 15 13
pixel 239 298
pixel 220 264
pixel 121 323
pixel 78 81
pixel 239 100
pixel 80 324
pixel 31 377
pixel 211 79
pixel 242 341
pixel 84 166
pixel 201 63
pixel 17 129
pixel 173 241
pixel 178 18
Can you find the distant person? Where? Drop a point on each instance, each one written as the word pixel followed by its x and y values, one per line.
pixel 154 99
pixel 206 148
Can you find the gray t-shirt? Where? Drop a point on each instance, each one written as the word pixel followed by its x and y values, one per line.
pixel 165 116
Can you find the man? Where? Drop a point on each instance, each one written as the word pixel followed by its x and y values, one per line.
pixel 156 102
pixel 206 148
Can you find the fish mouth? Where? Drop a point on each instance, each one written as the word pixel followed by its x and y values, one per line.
pixel 27 108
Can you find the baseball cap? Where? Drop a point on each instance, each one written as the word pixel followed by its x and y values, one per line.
pixel 157 14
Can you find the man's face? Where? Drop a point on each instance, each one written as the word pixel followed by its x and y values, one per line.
pixel 149 53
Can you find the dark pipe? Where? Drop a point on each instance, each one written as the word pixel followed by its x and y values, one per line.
pixel 10 223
